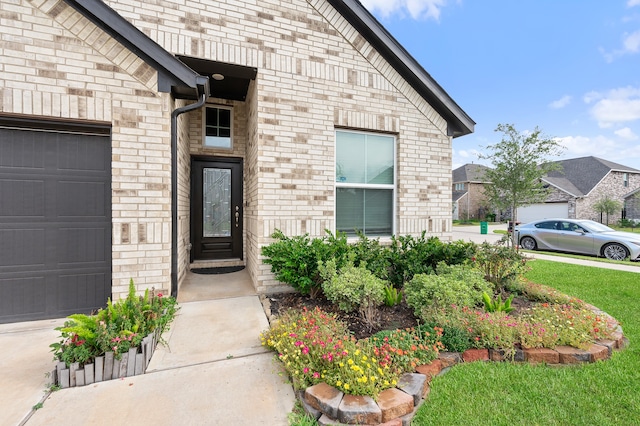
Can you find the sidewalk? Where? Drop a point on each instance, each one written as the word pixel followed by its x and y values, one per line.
pixel 213 372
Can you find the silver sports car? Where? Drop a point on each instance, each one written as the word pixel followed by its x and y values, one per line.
pixel 579 236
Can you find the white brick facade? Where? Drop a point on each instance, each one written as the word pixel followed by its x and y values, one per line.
pixel 316 73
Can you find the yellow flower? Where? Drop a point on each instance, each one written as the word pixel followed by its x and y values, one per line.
pixel 346 386
pixel 357 352
pixel 350 362
pixel 338 383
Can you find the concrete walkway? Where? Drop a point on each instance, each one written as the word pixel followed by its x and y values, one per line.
pixel 213 372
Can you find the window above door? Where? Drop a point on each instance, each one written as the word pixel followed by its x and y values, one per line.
pixel 218 125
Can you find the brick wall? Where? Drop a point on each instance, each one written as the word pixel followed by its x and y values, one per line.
pixel 611 186
pixel 315 74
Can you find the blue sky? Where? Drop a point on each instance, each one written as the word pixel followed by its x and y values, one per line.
pixel 570 67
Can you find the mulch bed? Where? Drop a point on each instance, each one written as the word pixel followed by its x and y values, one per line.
pixel 391 318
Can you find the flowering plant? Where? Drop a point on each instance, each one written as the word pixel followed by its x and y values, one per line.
pixel 316 347
pixel 117 328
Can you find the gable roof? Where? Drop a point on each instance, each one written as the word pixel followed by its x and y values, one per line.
pixel 459 123
pixel 175 75
pixel 579 176
pixel 470 173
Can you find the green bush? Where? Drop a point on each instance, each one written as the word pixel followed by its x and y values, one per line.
pixel 294 260
pixel 410 256
pixel 375 255
pixel 353 288
pixel 454 285
pixel 499 263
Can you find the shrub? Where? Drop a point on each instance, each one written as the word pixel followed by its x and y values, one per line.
pixel 499 263
pixel 353 289
pixel 294 260
pixel 373 254
pixel 410 256
pixel 455 285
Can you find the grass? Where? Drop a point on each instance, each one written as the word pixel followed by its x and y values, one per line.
pixel 603 393
pixel 583 257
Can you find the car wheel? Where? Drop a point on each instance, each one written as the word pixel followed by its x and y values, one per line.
pixel 528 243
pixel 615 251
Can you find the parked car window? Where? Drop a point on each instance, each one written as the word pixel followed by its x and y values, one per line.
pixel 546 225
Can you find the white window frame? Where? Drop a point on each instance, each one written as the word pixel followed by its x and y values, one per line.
pixel 392 187
pixel 204 127
pixel 625 179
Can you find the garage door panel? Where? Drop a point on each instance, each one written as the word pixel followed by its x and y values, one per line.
pixel 81 246
pixel 22 247
pixel 81 292
pixel 81 199
pixel 21 198
pixel 79 155
pixel 23 297
pixel 21 149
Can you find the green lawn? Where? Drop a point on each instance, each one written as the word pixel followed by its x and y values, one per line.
pixel 605 393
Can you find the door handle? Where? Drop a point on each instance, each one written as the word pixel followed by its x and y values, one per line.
pixel 237 215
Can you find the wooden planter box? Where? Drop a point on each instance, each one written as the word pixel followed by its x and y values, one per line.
pixel 107 367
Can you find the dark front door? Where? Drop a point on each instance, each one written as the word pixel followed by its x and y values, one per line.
pixel 216 209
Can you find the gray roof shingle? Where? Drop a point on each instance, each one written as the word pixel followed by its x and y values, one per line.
pixel 579 176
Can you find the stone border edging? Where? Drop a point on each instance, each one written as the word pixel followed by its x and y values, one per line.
pixel 397 406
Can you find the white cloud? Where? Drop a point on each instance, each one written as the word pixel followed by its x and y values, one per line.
pixel 616 106
pixel 612 149
pixel 560 103
pixel 626 133
pixel 417 9
pixel 630 45
pixel 632 3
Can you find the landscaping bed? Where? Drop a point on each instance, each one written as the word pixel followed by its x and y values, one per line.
pixel 117 341
pixel 369 317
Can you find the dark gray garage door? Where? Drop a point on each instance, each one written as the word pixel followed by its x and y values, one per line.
pixel 55 219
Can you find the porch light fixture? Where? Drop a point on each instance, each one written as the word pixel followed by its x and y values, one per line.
pixel 218 77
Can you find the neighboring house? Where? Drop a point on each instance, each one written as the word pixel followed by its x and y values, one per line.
pixel 138 139
pixel 469 200
pixel 578 185
pixel 632 206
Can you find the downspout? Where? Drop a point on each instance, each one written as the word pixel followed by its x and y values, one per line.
pixel 174 184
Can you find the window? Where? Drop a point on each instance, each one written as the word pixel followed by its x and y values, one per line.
pixel 459 186
pixel 217 127
pixel 365 183
pixel 625 179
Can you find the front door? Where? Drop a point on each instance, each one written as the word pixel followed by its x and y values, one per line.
pixel 216 208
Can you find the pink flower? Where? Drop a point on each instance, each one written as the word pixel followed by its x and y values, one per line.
pixel 305 350
pixel 159 294
pixel 305 370
pixel 316 375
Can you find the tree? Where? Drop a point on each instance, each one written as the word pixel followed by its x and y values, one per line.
pixel 607 205
pixel 519 162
